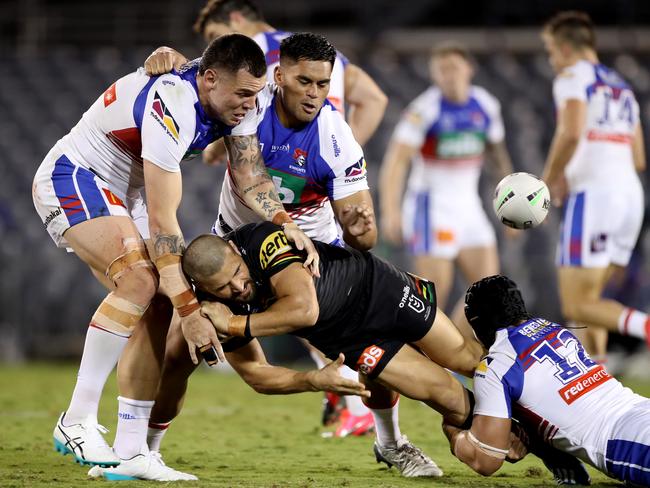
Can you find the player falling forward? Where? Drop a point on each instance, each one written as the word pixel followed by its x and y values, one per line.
pixel 446 131
pixel 351 90
pixel 320 174
pixel 540 369
pixel 89 193
pixel 596 153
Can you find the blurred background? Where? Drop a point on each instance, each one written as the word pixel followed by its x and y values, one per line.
pixel 57 57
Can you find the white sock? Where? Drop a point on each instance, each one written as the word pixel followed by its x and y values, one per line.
pixel 633 323
pixel 132 423
pixel 387 425
pixel 155 434
pixel 318 358
pixel 352 402
pixel 101 351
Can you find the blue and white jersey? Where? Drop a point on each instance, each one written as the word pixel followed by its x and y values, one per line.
pixel 310 167
pixel 604 153
pixel 269 42
pixel 542 370
pixel 159 119
pixel 450 139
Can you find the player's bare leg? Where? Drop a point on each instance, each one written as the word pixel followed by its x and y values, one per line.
pixel 111 246
pixel 582 302
pixel 438 270
pixel 391 447
pixel 474 263
pixel 447 347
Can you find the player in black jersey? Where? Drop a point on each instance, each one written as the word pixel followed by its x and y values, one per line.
pixel 384 320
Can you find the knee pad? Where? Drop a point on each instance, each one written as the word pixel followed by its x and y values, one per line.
pixel 117 315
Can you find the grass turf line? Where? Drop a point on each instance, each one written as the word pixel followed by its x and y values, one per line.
pixel 230 436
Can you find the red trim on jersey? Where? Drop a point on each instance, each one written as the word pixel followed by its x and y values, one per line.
pixel 597 136
pixel 128 141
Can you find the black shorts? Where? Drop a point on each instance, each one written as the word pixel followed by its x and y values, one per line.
pixel 400 309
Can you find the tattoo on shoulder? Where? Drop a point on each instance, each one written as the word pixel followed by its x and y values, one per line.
pixel 168 244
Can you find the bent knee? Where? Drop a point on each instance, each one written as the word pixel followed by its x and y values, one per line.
pixel 139 284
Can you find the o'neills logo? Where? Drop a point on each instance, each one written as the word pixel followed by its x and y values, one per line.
pixel 53 214
pixel 587 382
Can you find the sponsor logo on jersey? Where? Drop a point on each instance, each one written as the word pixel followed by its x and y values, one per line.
pixel 599 243
pixel 335 145
pixel 411 300
pixel 300 157
pixel 168 82
pixel 110 95
pixel 281 147
pixel 369 359
pixel 275 249
pixel 584 384
pixel 482 368
pixel 161 113
pixel 356 172
pixel 51 216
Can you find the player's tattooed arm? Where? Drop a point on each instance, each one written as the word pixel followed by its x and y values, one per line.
pixel 251 178
pixel 168 244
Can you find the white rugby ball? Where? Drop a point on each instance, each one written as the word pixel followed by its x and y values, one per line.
pixel 521 201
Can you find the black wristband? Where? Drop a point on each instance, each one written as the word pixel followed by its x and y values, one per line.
pixel 247 329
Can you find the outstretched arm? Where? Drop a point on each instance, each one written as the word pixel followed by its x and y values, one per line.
pixel 250 363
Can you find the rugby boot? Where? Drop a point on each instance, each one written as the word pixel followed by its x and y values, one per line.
pixel 85 442
pixel 332 407
pixel 146 466
pixel 408 459
pixel 355 425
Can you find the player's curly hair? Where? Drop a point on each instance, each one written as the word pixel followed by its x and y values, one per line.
pixel 219 11
pixel 233 52
pixel 493 303
pixel 309 46
pixel 574 27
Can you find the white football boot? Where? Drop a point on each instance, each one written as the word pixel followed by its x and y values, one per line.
pixel 85 442
pixel 408 459
pixel 146 466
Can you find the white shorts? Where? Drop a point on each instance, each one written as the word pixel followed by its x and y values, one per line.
pixel 600 226
pixel 627 455
pixel 441 227
pixel 66 194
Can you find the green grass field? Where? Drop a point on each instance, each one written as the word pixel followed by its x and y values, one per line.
pixel 229 436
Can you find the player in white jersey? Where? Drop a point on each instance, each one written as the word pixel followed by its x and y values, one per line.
pixel 89 192
pixel 351 90
pixel 445 133
pixel 540 371
pixel 594 158
pixel 320 173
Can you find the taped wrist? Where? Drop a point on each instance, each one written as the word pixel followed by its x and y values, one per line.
pixel 240 326
pixel 117 315
pixel 173 283
pixel 282 217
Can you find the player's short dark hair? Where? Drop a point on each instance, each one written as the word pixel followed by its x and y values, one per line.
pixel 451 47
pixel 204 257
pixel 493 303
pixel 307 46
pixel 233 52
pixel 219 11
pixel 574 27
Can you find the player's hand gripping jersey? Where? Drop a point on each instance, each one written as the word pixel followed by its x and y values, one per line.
pixel 604 154
pixel 542 370
pixel 269 42
pixel 311 166
pixel 97 169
